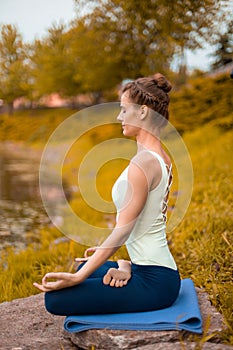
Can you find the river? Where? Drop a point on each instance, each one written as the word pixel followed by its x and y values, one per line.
pixel 21 209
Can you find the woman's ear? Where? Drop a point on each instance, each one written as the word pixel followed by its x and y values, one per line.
pixel 143 112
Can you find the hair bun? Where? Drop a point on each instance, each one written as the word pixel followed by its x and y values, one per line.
pixel 161 82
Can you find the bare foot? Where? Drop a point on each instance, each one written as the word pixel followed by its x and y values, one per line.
pixel 116 277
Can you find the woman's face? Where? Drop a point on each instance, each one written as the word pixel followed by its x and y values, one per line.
pixel 129 116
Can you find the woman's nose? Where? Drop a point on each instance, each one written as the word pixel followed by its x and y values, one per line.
pixel 119 117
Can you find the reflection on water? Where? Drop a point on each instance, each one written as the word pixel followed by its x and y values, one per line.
pixel 18 179
pixel 21 209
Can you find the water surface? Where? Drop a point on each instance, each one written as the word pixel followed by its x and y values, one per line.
pixel 21 209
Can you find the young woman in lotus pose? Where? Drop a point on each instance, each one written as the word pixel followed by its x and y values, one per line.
pixel 150 280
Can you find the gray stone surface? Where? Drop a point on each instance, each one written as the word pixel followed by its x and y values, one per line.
pixel 25 325
pixel 106 339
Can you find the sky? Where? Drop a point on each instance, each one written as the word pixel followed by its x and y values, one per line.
pixel 34 17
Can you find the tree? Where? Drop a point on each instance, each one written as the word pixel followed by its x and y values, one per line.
pixel 146 34
pixel 14 68
pixel 53 66
pixel 95 64
pixel 224 52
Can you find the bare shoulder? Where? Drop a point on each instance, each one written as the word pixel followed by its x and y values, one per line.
pixel 144 159
pixel 149 166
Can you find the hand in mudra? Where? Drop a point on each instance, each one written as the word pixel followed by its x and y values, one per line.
pixel 116 278
pixel 61 280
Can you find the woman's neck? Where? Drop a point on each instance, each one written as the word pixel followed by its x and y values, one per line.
pixel 145 140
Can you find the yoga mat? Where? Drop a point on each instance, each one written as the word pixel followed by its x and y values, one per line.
pixel 184 314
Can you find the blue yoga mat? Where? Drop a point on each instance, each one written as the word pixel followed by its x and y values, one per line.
pixel 184 314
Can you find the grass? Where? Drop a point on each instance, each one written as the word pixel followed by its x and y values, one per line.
pixel 32 126
pixel 52 253
pixel 203 243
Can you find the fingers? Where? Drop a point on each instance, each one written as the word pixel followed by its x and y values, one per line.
pixel 81 259
pixel 89 250
pixel 48 287
pixel 60 277
pixel 66 276
pixel 62 280
pixel 50 275
pixel 40 287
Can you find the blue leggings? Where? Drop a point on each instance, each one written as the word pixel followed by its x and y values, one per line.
pixel 150 288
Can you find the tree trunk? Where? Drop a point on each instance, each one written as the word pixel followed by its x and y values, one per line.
pixel 10 108
pixel 97 97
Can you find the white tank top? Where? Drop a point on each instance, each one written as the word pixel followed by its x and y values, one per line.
pixel 147 243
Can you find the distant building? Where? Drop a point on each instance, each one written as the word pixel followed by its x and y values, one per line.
pixel 53 100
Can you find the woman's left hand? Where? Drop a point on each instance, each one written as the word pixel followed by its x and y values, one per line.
pixel 63 280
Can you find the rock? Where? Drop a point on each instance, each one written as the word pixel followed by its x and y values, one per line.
pixel 26 325
pixel 5 233
pixel 115 339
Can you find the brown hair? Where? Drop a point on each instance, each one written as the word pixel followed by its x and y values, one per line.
pixel 150 91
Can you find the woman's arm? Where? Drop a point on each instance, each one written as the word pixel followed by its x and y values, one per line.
pixel 134 202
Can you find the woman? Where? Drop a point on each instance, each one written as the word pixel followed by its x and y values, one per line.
pixel 150 280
